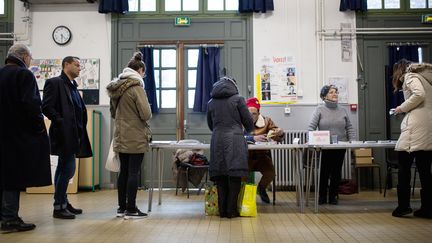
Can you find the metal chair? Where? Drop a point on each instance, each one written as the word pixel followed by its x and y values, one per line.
pixel 186 168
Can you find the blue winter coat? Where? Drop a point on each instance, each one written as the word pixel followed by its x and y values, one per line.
pixel 227 115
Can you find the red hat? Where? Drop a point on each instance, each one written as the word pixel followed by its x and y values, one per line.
pixel 253 102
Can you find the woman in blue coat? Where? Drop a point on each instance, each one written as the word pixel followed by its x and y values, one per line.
pixel 227 115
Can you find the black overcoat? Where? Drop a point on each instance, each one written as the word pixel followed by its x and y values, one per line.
pixel 227 115
pixel 24 144
pixel 58 106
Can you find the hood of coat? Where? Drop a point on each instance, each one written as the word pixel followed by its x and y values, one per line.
pixel 424 69
pixel 224 88
pixel 125 80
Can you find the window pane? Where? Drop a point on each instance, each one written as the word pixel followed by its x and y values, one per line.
pixel 430 3
pixel 2 11
pixel 193 57
pixel 158 98
pixel 191 98
pixel 156 58
pixel 374 4
pixel 420 54
pixel 172 5
pixel 169 99
pixel 192 78
pixel 148 5
pixel 168 79
pixel 157 78
pixel 391 4
pixel 190 5
pixel 133 5
pixel 168 58
pixel 231 5
pixel 417 3
pixel 215 5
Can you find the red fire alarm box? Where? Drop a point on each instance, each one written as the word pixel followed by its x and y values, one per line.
pixel 353 107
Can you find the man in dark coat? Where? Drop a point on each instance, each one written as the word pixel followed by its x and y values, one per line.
pixel 63 105
pixel 24 144
pixel 227 116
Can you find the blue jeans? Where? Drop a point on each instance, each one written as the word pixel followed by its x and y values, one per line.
pixel 64 172
pixel 9 205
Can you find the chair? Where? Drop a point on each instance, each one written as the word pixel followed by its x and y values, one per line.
pixel 186 168
pixel 392 168
pixel 371 166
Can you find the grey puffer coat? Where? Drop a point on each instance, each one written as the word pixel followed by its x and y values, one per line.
pixel 227 114
pixel 416 128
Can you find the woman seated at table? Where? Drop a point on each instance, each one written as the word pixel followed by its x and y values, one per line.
pixel 331 117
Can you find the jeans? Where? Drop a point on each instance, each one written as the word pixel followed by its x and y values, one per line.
pixel 64 172
pixel 9 205
pixel 127 183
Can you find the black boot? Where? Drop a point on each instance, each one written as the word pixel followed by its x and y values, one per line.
pixel 222 190
pixel 426 205
pixel 403 207
pixel 263 194
pixel 16 225
pixel 333 199
pixel 234 190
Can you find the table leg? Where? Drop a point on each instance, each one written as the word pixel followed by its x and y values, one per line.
pixel 150 198
pixel 160 171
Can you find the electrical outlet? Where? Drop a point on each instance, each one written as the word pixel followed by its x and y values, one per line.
pixel 287 110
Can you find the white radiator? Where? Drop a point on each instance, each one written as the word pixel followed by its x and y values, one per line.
pixel 283 161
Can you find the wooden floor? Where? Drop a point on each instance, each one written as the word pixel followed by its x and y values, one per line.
pixel 364 217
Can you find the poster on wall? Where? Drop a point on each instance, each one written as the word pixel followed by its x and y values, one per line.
pixel 276 82
pixel 44 69
pixel 342 84
pixel 88 81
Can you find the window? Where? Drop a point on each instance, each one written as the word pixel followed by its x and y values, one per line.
pixel 392 4
pixel 188 6
pixel 181 5
pixel 192 63
pixel 221 5
pixel 142 5
pixel 2 7
pixel 401 5
pixel 165 77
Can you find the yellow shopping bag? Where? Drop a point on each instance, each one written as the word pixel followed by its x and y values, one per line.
pixel 211 201
pixel 247 200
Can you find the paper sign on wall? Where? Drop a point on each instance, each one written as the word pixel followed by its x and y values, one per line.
pixel 319 137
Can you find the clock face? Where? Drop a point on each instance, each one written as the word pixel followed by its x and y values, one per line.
pixel 62 35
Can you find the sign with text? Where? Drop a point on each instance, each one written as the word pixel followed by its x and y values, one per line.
pixel 182 21
pixel 318 137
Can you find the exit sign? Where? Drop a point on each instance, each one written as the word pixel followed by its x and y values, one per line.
pixel 427 18
pixel 182 21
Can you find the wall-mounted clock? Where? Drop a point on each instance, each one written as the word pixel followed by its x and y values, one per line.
pixel 62 35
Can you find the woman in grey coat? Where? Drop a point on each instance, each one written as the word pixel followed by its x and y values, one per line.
pixel 415 80
pixel 227 115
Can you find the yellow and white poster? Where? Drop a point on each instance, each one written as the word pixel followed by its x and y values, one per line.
pixel 276 82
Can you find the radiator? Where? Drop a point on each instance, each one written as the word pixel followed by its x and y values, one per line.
pixel 284 161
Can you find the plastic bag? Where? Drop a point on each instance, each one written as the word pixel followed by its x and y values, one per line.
pixel 211 207
pixel 247 200
pixel 113 160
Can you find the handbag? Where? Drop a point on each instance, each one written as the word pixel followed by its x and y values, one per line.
pixel 113 160
pixel 211 207
pixel 247 200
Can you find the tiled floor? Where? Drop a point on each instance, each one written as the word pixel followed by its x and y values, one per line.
pixel 364 217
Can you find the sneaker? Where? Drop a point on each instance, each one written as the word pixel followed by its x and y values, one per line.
pixel 63 214
pixel 16 225
pixel 120 212
pixel 73 210
pixel 423 213
pixel 135 214
pixel 399 212
pixel 263 194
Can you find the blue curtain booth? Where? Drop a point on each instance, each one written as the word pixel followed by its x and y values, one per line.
pixel 113 6
pixel 354 5
pixel 207 75
pixel 248 6
pixel 149 80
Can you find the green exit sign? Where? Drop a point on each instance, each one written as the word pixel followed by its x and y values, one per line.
pixel 182 21
pixel 427 18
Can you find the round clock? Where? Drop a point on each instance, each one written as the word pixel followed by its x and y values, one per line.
pixel 62 35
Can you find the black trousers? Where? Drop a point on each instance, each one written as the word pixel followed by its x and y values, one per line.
pixel 127 183
pixel 9 205
pixel 331 168
pixel 228 189
pixel 423 160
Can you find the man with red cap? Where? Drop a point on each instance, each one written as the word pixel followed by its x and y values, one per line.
pixel 260 160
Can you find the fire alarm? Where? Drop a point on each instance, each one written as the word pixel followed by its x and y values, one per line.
pixel 353 107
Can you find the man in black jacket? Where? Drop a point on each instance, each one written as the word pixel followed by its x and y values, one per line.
pixel 24 144
pixel 63 105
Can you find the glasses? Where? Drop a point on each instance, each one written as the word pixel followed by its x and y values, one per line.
pixel 333 92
